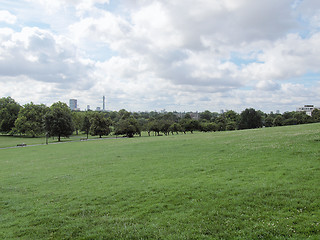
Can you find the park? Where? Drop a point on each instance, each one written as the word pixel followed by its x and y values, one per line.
pixel 244 184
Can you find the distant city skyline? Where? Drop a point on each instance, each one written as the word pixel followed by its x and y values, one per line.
pixel 73 106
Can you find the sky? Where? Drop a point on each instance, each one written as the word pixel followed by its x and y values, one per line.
pixel 147 55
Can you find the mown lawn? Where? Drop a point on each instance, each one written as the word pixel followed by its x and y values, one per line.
pixel 253 184
pixel 12 141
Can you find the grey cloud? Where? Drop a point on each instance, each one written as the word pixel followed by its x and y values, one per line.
pixel 268 85
pixel 37 54
pixel 224 27
pixel 252 20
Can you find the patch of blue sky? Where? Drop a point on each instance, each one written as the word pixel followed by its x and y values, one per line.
pixel 112 6
pixel 9 4
pixel 243 59
pixel 38 25
pixel 100 53
pixel 14 27
pixel 246 88
pixel 296 4
pixel 304 29
pixel 309 79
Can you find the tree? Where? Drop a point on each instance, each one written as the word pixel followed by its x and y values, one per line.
pixel 316 115
pixel 206 115
pixel 58 120
pixel 269 121
pixel 232 116
pixel 9 110
pixel 206 126
pixel 100 125
pixel 250 118
pixel 189 125
pixel 77 119
pixel 175 127
pixel 153 126
pixel 187 116
pixel 171 117
pixel 302 117
pixel 123 114
pixel 221 122
pixel 127 127
pixel 278 121
pixel 288 115
pixel 86 125
pixel 290 121
pixel 231 126
pixel 30 119
pixel 165 126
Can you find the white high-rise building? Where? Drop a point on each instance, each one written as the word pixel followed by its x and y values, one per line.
pixel 73 104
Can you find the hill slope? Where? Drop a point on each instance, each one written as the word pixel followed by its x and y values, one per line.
pixel 249 184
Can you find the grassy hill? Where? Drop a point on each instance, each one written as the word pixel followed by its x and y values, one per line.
pixel 248 184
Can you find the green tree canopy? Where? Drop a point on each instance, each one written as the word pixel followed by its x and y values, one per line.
pixel 86 124
pixel 302 117
pixel 124 114
pixel 165 126
pixel 232 116
pixel 100 125
pixel 9 110
pixel 278 120
pixel 175 127
pixel 30 119
pixel 189 125
pixel 128 127
pixel 206 115
pixel 316 115
pixel 58 120
pixel 153 126
pixel 250 118
pixel 269 120
pixel 77 119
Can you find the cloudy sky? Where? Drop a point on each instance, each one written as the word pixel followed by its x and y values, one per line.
pixel 150 55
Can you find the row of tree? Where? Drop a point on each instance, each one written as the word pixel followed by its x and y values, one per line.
pixel 58 120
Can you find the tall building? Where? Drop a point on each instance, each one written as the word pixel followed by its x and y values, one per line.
pixel 104 103
pixel 73 104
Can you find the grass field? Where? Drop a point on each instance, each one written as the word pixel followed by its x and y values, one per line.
pixel 13 141
pixel 252 184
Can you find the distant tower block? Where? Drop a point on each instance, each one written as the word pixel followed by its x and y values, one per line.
pixel 73 104
pixel 104 103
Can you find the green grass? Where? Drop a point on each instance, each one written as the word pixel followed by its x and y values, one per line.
pixel 13 141
pixel 253 184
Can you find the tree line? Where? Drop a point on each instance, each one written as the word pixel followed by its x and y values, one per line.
pixel 58 120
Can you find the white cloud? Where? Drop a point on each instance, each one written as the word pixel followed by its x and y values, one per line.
pixel 267 85
pixel 204 54
pixel 57 5
pixel 42 56
pixel 7 17
pixel 106 28
pixel 286 58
